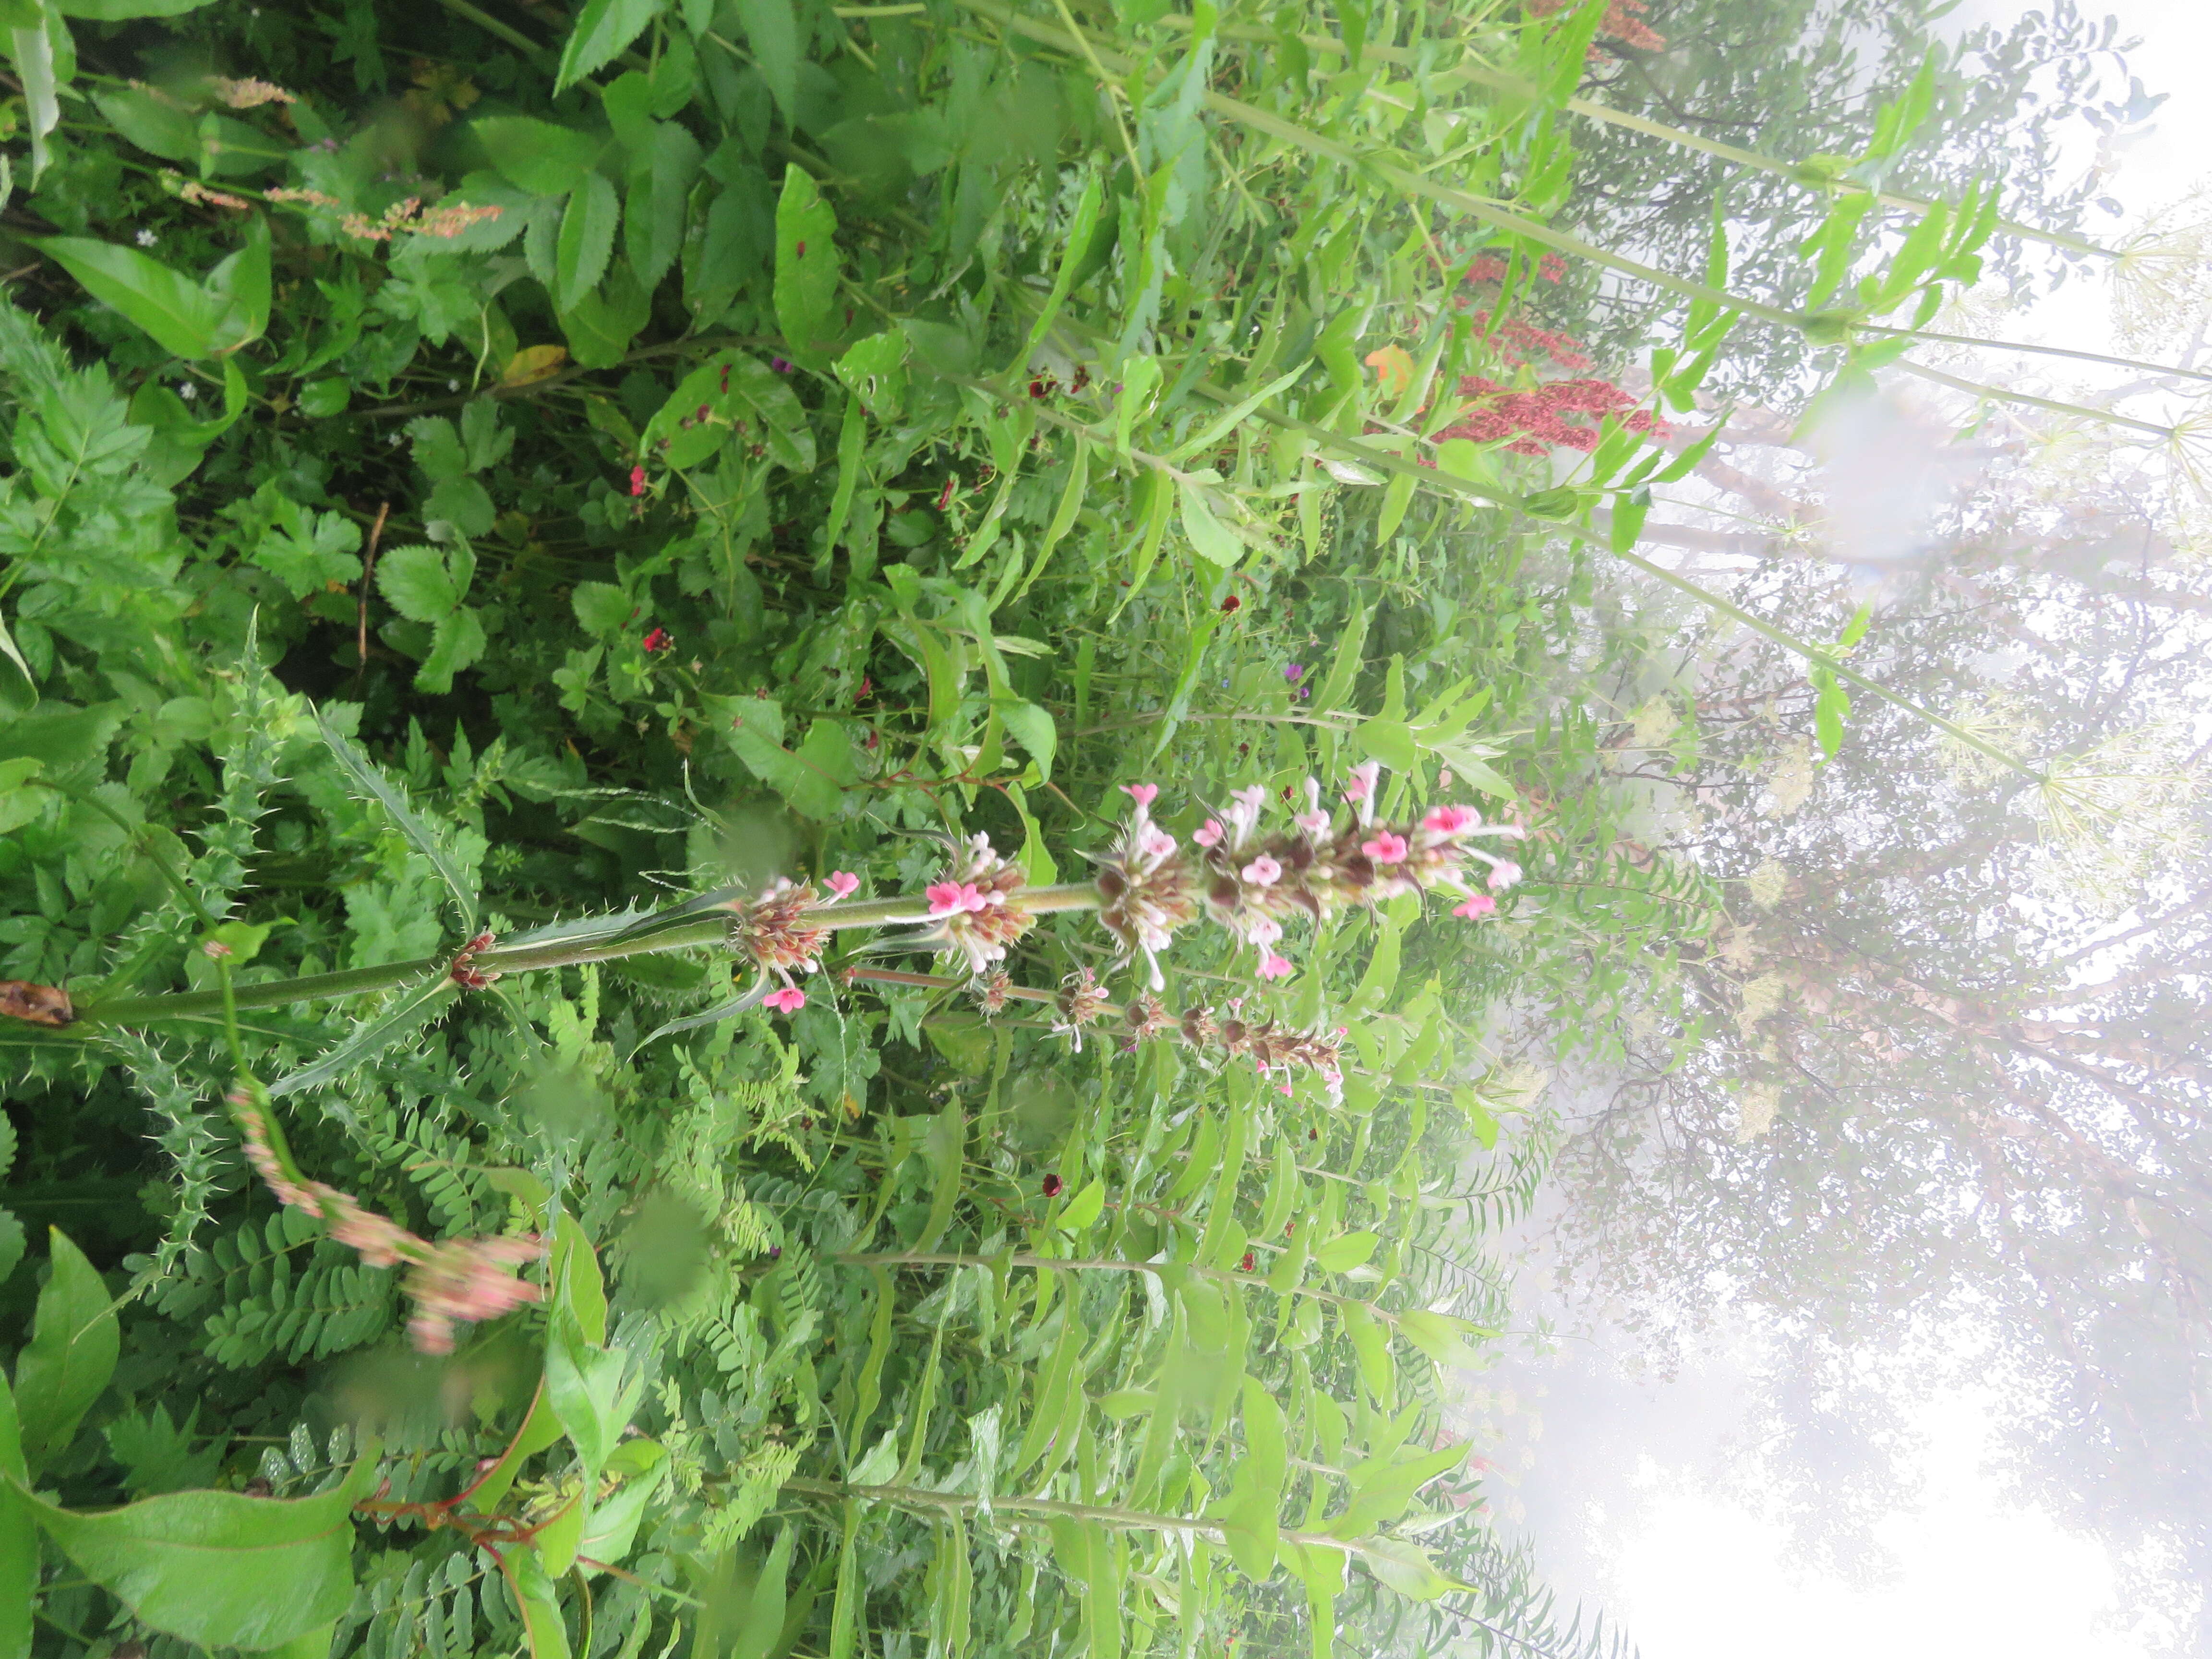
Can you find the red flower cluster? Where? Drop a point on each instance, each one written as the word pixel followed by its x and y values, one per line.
pixel 1491 268
pixel 1623 21
pixel 1516 342
pixel 1537 420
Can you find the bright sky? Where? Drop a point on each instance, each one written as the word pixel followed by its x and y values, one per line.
pixel 1698 1577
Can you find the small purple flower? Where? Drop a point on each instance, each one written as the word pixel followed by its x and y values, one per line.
pixel 780 365
pixel 1295 672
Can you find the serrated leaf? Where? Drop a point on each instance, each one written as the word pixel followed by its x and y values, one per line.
pixel 370 778
pixel 603 29
pixel 536 155
pixel 413 1007
pixel 586 240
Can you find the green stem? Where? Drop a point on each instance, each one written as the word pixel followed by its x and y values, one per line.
pixel 1102 1264
pixel 490 25
pixel 688 927
pixel 1997 394
pixel 1104 1515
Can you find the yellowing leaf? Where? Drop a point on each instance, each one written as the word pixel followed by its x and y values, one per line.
pixel 533 363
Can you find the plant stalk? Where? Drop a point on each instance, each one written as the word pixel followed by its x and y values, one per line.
pixel 700 923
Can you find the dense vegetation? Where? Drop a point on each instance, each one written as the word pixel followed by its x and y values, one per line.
pixel 943 481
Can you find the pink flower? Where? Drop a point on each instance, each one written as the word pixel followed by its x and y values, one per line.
pixel 844 884
pixel 1504 872
pixel 1314 823
pixel 1272 966
pixel 1294 671
pixel 1210 836
pixel 1363 781
pixel 1388 848
pixel 637 481
pixel 788 1000
pixel 1450 820
pixel 1155 842
pixel 1481 904
pixel 1263 872
pixel 1143 793
pixel 953 898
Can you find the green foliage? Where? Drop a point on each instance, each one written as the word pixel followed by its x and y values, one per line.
pixel 744 442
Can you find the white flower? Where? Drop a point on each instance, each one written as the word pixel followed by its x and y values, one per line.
pixel 147 239
pixel 188 392
pixel 452 386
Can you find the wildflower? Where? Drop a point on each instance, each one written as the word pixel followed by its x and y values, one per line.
pixel 1209 833
pixel 188 392
pixel 1294 672
pixel 637 481
pixel 146 239
pixel 1232 603
pixel 1146 1016
pixel 992 993
pixel 1080 1003
pixel 772 931
pixel 1143 793
pixel 1361 789
pixel 465 1280
pixel 658 640
pixel 1385 848
pixel 1053 1184
pixel 951 898
pixel 214 950
pixel 788 1000
pixel 843 884
pixel 248 94
pixel 1476 904
pixel 782 365
pixel 1246 1264
pixel 977 905
pixel 1272 966
pixel 1504 872
pixel 1262 871
pixel 1142 883
pixel 1450 820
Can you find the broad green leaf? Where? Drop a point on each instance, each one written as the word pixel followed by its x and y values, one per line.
pixel 154 123
pixel 39 45
pixel 221 1569
pixel 587 237
pixel 762 1624
pixel 183 316
pixel 603 29
pixel 772 31
pixel 535 1599
pixel 1083 1208
pixel 612 1527
pixel 1208 538
pixel 240 286
pixel 536 155
pixel 425 583
pixel 74 1342
pixel 660 180
pixel 1346 1251
pixel 1032 728
pixel 593 1390
pixel 875 369
pixel 1405 1568
pixel 805 262
pixel 19 1536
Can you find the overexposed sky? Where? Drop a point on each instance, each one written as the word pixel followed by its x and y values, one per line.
pixel 1689 1575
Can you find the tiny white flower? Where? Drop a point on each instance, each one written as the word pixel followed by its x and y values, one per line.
pixel 452 386
pixel 147 239
pixel 393 441
pixel 188 392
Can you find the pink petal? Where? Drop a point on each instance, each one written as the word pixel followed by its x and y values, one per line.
pixel 844 883
pixel 1385 848
pixel 1143 793
pixel 1481 904
pixel 946 898
pixel 1211 835
pixel 1276 967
